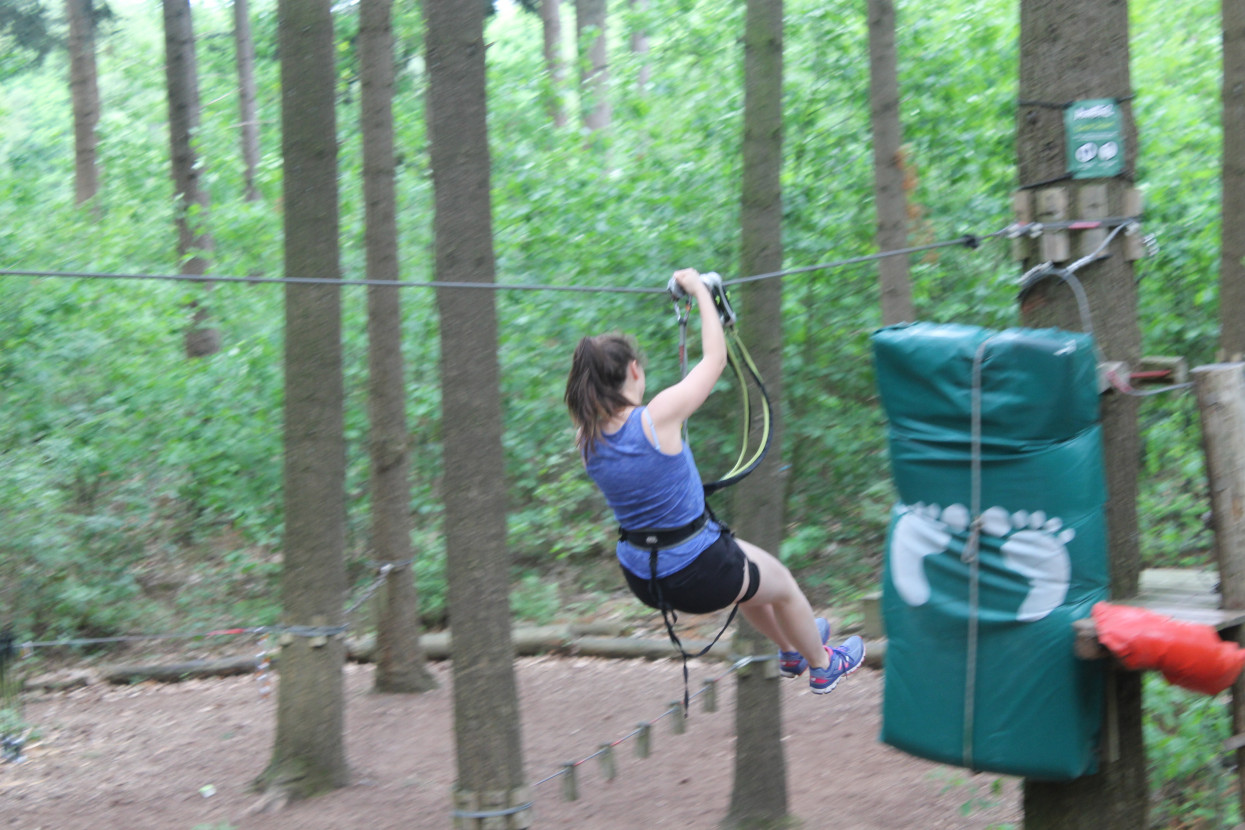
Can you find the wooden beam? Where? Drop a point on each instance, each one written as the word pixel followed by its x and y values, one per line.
pixel 1185 595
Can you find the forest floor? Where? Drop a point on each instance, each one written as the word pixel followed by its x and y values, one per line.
pixel 182 756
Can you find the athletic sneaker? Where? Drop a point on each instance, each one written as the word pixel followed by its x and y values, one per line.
pixel 844 660
pixel 792 663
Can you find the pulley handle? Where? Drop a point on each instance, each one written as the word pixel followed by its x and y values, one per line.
pixel 717 290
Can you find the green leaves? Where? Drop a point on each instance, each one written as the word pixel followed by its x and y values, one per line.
pixel 103 420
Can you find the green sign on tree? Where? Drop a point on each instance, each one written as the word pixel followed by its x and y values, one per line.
pixel 1095 138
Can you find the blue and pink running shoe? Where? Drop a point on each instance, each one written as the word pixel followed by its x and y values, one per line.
pixel 792 663
pixel 844 660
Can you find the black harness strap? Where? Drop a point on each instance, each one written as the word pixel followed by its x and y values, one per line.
pixel 655 540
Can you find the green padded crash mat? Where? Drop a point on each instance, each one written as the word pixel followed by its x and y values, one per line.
pixel 980 670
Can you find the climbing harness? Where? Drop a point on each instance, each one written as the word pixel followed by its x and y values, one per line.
pixel 654 540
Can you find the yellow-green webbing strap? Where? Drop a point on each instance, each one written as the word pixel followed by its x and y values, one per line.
pixel 739 359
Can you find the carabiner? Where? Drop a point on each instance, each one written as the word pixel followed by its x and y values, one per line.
pixel 717 290
pixel 682 313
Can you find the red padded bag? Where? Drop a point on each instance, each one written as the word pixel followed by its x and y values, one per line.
pixel 1189 655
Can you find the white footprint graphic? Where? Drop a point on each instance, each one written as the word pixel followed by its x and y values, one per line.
pixel 1033 547
pixel 1036 548
pixel 921 531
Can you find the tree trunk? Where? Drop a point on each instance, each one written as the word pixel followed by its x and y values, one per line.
pixel 594 76
pixel 486 708
pixel 399 660
pixel 891 201
pixel 244 51
pixel 1092 38
pixel 555 66
pixel 639 42
pixel 1221 402
pixel 309 756
pixel 759 793
pixel 190 199
pixel 84 87
pixel 1232 262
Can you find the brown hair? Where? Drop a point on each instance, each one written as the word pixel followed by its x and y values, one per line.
pixel 594 385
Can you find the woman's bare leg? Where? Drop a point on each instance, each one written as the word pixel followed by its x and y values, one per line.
pixel 781 607
pixel 761 615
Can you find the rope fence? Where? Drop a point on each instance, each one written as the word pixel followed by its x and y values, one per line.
pixel 10 650
pixel 642 734
pixel 11 743
pixel 383 571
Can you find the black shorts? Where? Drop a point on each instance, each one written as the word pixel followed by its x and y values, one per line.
pixel 708 583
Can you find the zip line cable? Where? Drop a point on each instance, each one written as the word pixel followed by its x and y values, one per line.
pixel 970 241
pixel 211 278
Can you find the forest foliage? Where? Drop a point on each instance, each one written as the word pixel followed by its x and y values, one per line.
pixel 139 488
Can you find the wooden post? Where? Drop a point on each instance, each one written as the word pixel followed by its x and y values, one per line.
pixel 1221 401
pixel 1092 199
pixel 1052 206
pixel 1022 214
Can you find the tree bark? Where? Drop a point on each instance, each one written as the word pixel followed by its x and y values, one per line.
pixel 639 43
pixel 84 88
pixel 555 66
pixel 1074 51
pixel 888 174
pixel 594 76
pixel 183 96
pixel 1221 402
pixel 194 244
pixel 399 661
pixel 759 793
pixel 1232 262
pixel 309 755
pixel 486 709
pixel 244 56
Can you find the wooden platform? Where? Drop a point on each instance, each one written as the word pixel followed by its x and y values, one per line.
pixel 1190 596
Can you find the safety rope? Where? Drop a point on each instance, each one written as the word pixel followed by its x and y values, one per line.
pixel 1067 275
pixel 972 557
pixel 740 361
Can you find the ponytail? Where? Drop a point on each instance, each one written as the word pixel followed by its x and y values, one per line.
pixel 594 385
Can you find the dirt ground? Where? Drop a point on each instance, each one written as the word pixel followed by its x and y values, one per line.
pixel 182 756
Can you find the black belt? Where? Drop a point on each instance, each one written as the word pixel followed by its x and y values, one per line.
pixel 667 537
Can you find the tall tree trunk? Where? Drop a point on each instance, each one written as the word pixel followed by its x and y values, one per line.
pixel 555 66
pixel 84 87
pixel 486 708
pixel 244 56
pixel 1093 37
pixel 759 794
pixel 194 244
pixel 594 75
pixel 400 665
pixel 888 174
pixel 1232 261
pixel 639 42
pixel 309 755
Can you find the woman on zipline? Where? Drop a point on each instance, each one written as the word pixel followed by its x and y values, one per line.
pixel 674 554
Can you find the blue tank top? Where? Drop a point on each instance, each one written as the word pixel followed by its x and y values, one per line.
pixel 648 490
